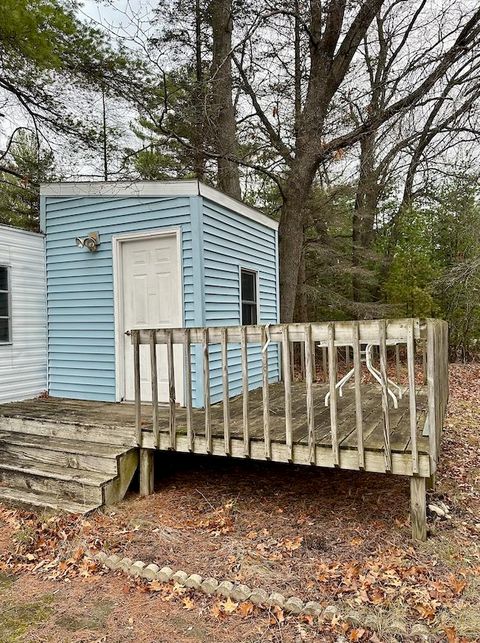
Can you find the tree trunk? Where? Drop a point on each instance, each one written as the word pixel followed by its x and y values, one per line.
pixel 363 224
pixel 199 100
pixel 296 192
pixel 223 111
pixel 301 308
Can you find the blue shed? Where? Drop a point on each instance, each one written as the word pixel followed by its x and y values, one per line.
pixel 151 255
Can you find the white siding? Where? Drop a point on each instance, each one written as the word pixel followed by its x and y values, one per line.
pixel 23 363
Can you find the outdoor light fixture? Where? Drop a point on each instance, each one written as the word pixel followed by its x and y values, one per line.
pixel 90 242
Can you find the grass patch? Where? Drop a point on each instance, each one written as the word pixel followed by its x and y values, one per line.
pixel 95 620
pixel 17 618
pixel 6 581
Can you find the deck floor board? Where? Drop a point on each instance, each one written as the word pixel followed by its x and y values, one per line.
pixel 122 416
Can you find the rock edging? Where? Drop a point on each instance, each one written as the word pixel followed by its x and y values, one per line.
pixel 239 592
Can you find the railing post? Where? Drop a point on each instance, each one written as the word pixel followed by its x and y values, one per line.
pixel 137 386
pixel 386 413
pixel 309 387
pixel 412 395
pixel 246 427
pixel 357 365
pixel 324 363
pixel 171 392
pixel 432 397
pixel 154 382
pixel 266 396
pixel 332 379
pixel 206 392
pixel 226 396
pixel 397 363
pixel 287 374
pixel 188 388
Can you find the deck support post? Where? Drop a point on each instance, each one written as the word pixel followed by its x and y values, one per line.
pixel 432 482
pixel 418 507
pixel 146 471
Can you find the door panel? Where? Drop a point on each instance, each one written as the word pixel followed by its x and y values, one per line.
pixel 152 299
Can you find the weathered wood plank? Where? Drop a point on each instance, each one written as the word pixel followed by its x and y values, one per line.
pixel 188 387
pixel 115 490
pixel 245 389
pixel 172 403
pixel 147 471
pixel 154 382
pixel 357 366
pixel 309 385
pixel 288 390
pixel 266 396
pixel 206 389
pixel 226 395
pixel 332 379
pixel 412 399
pixel 418 508
pixel 397 330
pixel 137 385
pixel 374 460
pixel 383 373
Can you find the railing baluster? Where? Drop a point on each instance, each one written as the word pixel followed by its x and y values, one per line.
pixel 287 377
pixel 187 356
pixel 432 402
pixel 266 397
pixel 385 408
pixel 206 392
pixel 332 379
pixel 324 363
pixel 137 386
pixel 397 363
pixel 424 360
pixel 246 426
pixel 309 389
pixel 154 381
pixel 172 426
pixel 226 396
pixel 357 366
pixel 301 346
pixel 412 395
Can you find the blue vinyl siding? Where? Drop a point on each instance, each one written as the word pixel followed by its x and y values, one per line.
pixel 81 350
pixel 216 243
pixel 232 242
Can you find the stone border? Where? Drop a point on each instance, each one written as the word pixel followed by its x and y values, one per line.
pixel 239 593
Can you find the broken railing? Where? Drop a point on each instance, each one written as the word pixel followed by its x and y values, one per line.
pixel 329 352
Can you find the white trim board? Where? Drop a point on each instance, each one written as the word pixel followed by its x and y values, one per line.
pixel 14 229
pixel 155 189
pixel 117 241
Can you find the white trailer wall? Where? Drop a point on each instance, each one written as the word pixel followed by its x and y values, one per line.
pixel 23 357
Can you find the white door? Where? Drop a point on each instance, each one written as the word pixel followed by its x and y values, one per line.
pixel 152 299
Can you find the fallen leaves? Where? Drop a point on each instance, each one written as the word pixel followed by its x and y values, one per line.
pixel 229 606
pixel 221 609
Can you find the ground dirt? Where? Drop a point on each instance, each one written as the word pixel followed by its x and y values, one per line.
pixel 336 537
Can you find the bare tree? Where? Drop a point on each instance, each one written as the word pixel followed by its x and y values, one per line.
pixel 335 33
pixel 222 112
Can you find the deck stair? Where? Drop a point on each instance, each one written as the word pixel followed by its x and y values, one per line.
pixel 63 466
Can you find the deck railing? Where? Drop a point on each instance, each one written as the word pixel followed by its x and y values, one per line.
pixel 406 349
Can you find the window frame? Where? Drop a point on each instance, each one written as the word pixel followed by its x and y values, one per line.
pixel 256 301
pixel 8 317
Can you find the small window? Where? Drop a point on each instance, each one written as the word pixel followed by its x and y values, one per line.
pixel 249 297
pixel 4 305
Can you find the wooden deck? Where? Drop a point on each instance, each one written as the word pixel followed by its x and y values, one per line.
pixel 84 417
pixel 360 428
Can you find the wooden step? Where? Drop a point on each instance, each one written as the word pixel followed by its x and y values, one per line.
pixel 76 485
pixel 75 454
pixel 29 498
pixel 93 434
